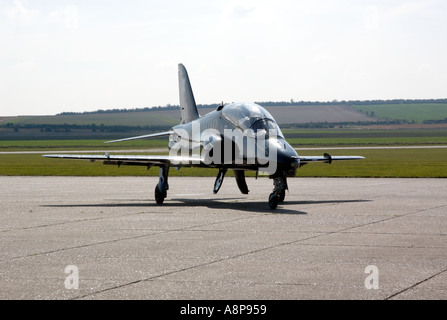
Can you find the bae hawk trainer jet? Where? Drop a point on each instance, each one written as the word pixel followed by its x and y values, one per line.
pixel 236 136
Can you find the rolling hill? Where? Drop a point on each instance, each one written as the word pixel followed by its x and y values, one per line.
pixel 285 114
pixel 113 123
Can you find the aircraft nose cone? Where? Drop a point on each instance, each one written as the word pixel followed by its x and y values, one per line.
pixel 295 163
pixel 287 159
pixel 287 162
pixel 282 158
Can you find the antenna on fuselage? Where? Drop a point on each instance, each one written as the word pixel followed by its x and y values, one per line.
pixel 221 106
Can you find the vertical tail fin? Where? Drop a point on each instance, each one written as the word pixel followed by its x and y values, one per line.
pixel 187 103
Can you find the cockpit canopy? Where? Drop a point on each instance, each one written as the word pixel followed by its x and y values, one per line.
pixel 250 116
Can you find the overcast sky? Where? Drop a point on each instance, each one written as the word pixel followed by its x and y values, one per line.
pixel 78 55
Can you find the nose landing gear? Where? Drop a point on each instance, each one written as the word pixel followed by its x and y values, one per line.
pixel 279 191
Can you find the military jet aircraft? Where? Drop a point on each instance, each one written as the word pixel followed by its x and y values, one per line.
pixel 236 136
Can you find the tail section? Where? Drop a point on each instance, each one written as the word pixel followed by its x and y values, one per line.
pixel 187 103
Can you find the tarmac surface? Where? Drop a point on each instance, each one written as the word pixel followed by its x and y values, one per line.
pixel 332 238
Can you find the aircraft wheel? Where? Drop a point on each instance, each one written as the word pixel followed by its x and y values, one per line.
pixel 282 195
pixel 273 201
pixel 159 196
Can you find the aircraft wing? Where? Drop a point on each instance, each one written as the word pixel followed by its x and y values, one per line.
pixel 132 160
pixel 181 161
pixel 326 158
pixel 146 136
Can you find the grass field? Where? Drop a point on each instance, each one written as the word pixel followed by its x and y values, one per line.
pixel 384 141
pixel 30 145
pixel 417 112
pixel 378 163
pixel 405 163
pixel 298 138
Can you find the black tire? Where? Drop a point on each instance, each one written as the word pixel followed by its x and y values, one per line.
pixel 273 201
pixel 282 196
pixel 159 196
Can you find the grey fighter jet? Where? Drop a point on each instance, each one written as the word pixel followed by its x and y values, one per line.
pixel 236 136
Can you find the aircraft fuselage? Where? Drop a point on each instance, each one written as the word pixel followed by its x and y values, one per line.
pixel 237 136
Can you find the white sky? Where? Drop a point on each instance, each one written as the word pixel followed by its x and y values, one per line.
pixel 84 55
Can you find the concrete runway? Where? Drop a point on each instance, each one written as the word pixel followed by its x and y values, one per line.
pixel 316 245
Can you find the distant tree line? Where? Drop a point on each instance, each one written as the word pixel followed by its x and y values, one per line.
pixel 91 127
pixel 100 111
pixel 268 104
pixel 349 102
pixel 325 125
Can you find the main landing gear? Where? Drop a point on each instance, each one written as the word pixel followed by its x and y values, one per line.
pixel 279 191
pixel 277 196
pixel 162 186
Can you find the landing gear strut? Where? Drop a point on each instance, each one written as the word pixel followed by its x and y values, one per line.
pixel 162 186
pixel 219 180
pixel 279 191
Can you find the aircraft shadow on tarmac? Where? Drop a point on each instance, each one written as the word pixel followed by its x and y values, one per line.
pixel 215 203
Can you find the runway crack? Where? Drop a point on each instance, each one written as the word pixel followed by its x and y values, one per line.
pixel 415 285
pixel 153 232
pixel 245 253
